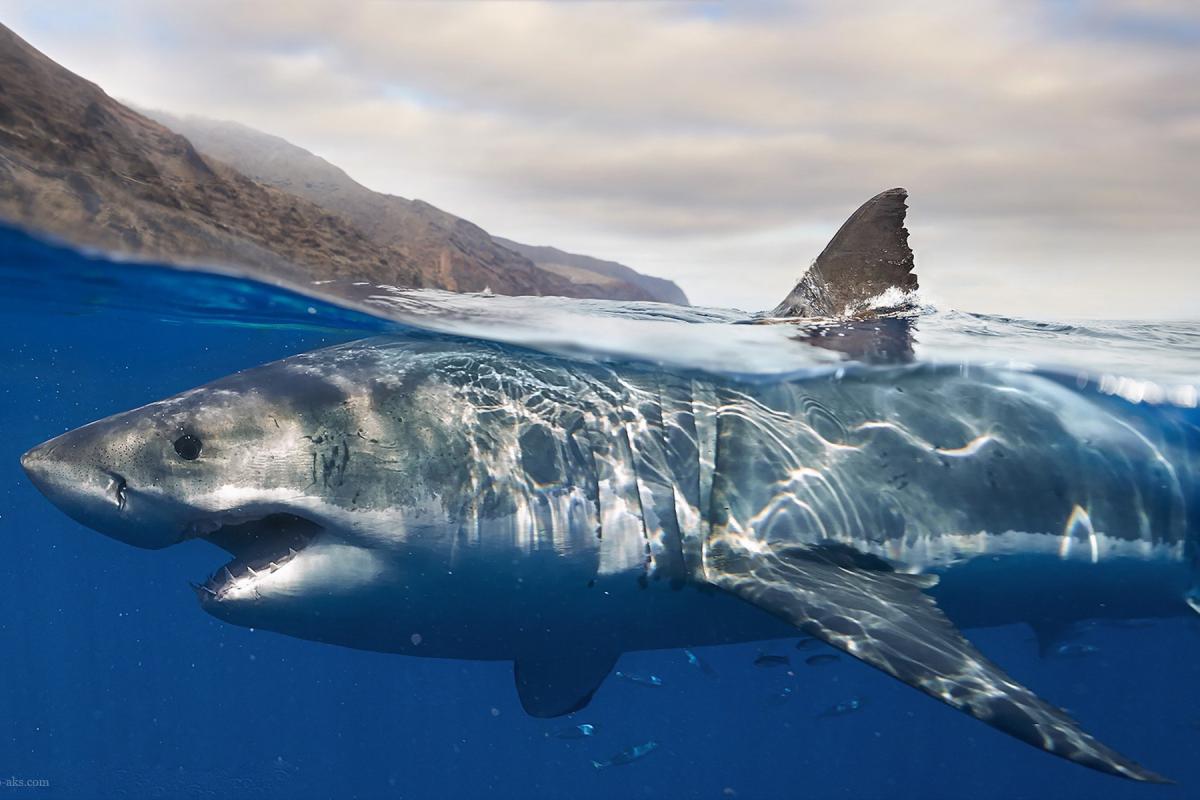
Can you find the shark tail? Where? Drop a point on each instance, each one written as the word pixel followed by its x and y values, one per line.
pixel 866 257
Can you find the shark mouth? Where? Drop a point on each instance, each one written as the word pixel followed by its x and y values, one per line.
pixel 259 547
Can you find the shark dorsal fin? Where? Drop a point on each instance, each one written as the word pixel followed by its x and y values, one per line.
pixel 867 256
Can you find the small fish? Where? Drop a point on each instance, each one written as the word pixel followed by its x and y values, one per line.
pixel 700 664
pixel 807 643
pixel 627 756
pixel 771 660
pixel 1073 650
pixel 821 658
pixel 843 708
pixel 640 680
pixel 780 697
pixel 574 731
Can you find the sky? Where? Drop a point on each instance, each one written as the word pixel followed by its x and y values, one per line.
pixel 1051 149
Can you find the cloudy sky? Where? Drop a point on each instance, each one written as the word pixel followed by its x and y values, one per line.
pixel 1051 149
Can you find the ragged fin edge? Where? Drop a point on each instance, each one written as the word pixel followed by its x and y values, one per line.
pixel 884 619
pixel 866 257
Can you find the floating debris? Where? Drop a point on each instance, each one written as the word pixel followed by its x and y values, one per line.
pixel 700 664
pixel 768 660
pixel 843 708
pixel 628 755
pixel 821 659
pixel 640 680
pixel 574 731
pixel 780 697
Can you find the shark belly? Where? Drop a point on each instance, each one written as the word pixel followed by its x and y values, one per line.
pixel 484 602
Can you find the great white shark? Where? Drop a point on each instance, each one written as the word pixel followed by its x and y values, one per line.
pixel 461 499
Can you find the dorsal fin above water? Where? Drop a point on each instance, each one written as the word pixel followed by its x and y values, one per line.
pixel 867 256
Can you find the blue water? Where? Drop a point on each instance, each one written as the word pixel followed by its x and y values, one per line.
pixel 115 684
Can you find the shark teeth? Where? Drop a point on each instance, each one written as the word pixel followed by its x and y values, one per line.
pixel 261 545
pixel 238 572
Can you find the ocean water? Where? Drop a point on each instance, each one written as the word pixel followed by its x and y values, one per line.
pixel 115 684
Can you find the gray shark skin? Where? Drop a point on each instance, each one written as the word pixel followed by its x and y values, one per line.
pixel 867 256
pixel 466 500
pixel 459 499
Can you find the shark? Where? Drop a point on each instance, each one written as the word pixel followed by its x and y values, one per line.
pixel 444 497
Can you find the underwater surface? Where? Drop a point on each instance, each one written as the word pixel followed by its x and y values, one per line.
pixel 115 683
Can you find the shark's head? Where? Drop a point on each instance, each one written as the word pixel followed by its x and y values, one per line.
pixel 163 473
pixel 341 481
pixel 294 468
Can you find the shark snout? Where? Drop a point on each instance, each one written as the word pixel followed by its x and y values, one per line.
pixel 67 482
pixel 37 465
pixel 72 474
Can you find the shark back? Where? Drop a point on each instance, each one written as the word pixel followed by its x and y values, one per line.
pixel 929 466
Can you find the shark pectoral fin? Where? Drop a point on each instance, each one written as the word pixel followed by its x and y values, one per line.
pixel 884 619
pixel 557 684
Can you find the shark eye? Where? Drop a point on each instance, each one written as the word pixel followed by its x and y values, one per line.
pixel 188 447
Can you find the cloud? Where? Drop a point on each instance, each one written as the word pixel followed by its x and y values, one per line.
pixel 1052 145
